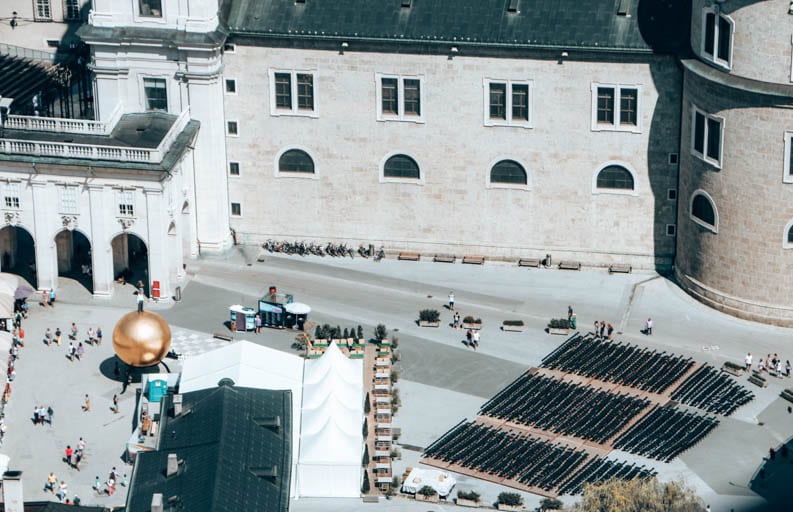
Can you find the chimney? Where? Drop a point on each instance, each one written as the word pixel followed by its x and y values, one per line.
pixel 12 491
pixel 177 405
pixel 156 502
pixel 173 466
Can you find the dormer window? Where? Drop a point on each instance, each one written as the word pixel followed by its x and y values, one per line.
pixel 150 8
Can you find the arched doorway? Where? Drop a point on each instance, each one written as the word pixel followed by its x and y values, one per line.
pixel 18 253
pixel 131 259
pixel 74 257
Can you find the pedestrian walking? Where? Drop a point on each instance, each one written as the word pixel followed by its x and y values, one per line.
pixel 48 337
pixel 748 361
pixel 69 453
pixel 78 456
pixel 51 298
pixel 81 444
pixel 603 329
pixel 597 328
pixel 257 323
pixel 469 335
pixel 97 484
pixel 45 298
pixel 139 300
pixel 80 351
pixel 115 404
pixel 71 351
pixel 73 335
pixel 451 301
pixel 569 312
pixel 609 330
pixel 127 381
pixel 456 322
pixel 91 337
pixel 476 339
pixel 63 490
pixel 98 335
pixel 42 415
pixel 51 481
pixel 87 404
pixel 648 327
pixel 36 415
pixel 58 334
pixel 50 413
pixel 124 480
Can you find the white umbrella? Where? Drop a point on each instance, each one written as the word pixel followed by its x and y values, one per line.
pixel 297 308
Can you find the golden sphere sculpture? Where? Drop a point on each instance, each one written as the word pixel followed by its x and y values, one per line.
pixel 141 339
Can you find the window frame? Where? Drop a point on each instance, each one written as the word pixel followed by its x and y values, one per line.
pixel 421 180
pixel 38 13
pixel 239 169
pixel 400 115
pixel 298 175
pixel 714 59
pixel 12 195
pixel 785 243
pixel 615 191
pixel 125 200
pixel 231 209
pixel 704 154
pixel 145 97
pixel 67 6
pixel 294 109
pixel 508 98
pixel 616 125
pixel 511 186
pixel 229 133
pixel 226 82
pixel 63 199
pixel 139 16
pixel 672 228
pixel 787 170
pixel 715 227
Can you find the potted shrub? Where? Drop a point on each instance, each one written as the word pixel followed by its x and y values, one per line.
pixel 429 318
pixel 559 326
pixel 380 332
pixel 468 498
pixel 551 504
pixel 427 493
pixel 470 322
pixel 512 325
pixel 510 501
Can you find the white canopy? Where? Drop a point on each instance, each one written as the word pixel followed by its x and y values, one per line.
pixel 438 480
pixel 251 366
pixel 331 438
pixel 297 308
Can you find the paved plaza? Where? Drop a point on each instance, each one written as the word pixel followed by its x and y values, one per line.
pixel 441 381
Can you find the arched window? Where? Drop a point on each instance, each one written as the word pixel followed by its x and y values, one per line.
pixel 508 171
pixel 703 211
pixel 172 228
pixel 401 166
pixel 615 177
pixel 296 160
pixel 790 235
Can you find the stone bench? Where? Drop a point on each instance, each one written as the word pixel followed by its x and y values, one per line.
pixel 621 268
pixel 569 265
pixel 758 380
pixel 787 394
pixel 223 336
pixel 409 256
pixel 444 258
pixel 371 499
pixel 474 260
pixel 529 262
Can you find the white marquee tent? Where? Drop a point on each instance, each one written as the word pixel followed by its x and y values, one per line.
pixel 331 444
pixel 252 366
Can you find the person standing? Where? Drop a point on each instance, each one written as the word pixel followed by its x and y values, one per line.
pixel 80 351
pixel 139 300
pixel 51 481
pixel 91 337
pixel 648 327
pixel 257 323
pixel 569 312
pixel 50 413
pixel 71 351
pixel 747 361
pixel 456 322
pixel 81 445
pixel 469 335
pixel 451 301
pixel 98 335
pixel 42 415
pixel 63 490
pixel 609 330
pixel 476 339
pixel 87 404
pixel 48 337
pixel 36 415
pixel 69 452
pixel 73 335
pixel 51 301
pixel 58 335
pixel 78 456
pixel 115 404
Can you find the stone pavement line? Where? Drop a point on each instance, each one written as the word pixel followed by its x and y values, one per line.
pixel 627 313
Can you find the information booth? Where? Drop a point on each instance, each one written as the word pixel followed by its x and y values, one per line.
pixel 271 308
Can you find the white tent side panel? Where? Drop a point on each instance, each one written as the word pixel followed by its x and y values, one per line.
pixel 329 481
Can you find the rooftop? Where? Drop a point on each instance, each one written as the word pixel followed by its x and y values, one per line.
pixel 227 445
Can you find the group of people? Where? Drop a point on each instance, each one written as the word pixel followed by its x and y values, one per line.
pixel 74 351
pixel 42 415
pixel 472 336
pixel 73 457
pixel 770 364
pixel 47 298
pixel 603 330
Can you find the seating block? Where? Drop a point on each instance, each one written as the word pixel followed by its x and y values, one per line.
pixel 444 258
pixel 409 256
pixel 474 260
pixel 529 262
pixel 622 268
pixel 570 265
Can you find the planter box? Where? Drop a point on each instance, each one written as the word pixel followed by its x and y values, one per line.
pixel 556 330
pixel 732 368
pixel 513 508
pixel 356 355
pixel 432 499
pixel 424 323
pixel 474 327
pixel 467 503
pixel 513 328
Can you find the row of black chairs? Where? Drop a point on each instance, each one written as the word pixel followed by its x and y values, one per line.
pixel 712 391
pixel 598 470
pixel 531 461
pixel 564 408
pixel 628 365
pixel 665 433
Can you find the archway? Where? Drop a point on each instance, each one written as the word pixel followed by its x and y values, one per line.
pixel 74 257
pixel 18 253
pixel 130 260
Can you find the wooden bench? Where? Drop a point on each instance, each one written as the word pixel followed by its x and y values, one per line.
pixel 223 336
pixel 569 265
pixel 474 260
pixel 409 256
pixel 529 262
pixel 621 268
pixel 444 258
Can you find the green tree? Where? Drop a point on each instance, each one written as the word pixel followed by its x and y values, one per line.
pixel 367 405
pixel 365 460
pixel 639 496
pixel 550 504
pixel 380 332
pixel 365 487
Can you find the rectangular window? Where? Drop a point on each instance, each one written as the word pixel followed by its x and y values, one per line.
pixel 156 94
pixel 150 8
pixel 671 230
pixel 399 98
pixel 232 128
pixel 229 48
pixel 71 9
pixel 234 168
pixel 508 102
pixel 616 107
pixel 231 86
pixel 716 37
pixel 292 93
pixel 787 175
pixel 671 194
pixel 11 196
pixel 706 136
pixel 69 200
pixel 126 204
pixel 236 210
pixel 43 11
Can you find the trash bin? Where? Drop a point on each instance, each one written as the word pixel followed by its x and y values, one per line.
pixel 177 294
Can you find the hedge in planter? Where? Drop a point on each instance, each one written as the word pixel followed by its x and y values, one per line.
pixel 513 323
pixel 429 315
pixel 560 323
pixel 511 499
pixel 469 496
pixel 426 490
